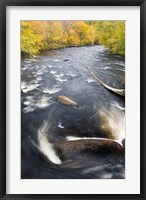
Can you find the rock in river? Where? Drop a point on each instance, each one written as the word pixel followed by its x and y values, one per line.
pixel 66 101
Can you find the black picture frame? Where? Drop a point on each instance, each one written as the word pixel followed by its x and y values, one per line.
pixel 3 127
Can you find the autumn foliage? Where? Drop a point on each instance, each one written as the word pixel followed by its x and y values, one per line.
pixel 112 35
pixel 37 36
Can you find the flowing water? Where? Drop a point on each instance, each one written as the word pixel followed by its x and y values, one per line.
pixel 46 123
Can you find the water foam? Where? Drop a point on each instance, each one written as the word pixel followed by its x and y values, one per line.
pixel 59 75
pixel 90 80
pixel 33 104
pixel 25 87
pixel 39 72
pixel 52 90
pixel 45 146
pixel 117 105
pixel 60 125
pixel 112 122
pixel 60 79
pixel 53 72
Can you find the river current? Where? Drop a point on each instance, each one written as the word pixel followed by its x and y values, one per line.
pixel 48 126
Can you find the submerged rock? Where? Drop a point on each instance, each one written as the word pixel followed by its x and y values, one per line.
pixel 65 60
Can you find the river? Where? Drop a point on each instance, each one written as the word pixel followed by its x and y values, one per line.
pixel 45 123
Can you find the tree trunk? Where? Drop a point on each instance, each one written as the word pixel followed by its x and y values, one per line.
pixel 115 90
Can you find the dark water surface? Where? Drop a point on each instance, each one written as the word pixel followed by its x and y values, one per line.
pixel 45 122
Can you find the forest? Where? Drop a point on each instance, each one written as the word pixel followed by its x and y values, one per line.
pixel 37 36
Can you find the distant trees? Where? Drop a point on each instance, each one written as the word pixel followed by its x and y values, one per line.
pixel 43 35
pixel 111 34
pixel 32 40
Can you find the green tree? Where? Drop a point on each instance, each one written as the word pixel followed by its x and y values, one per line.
pixel 111 34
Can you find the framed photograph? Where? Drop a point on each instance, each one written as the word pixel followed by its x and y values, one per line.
pixel 72 99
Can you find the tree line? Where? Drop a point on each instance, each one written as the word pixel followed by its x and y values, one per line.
pixel 37 36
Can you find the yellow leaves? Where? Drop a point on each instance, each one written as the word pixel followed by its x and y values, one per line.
pixel 111 34
pixel 80 27
pixel 40 35
pixel 30 41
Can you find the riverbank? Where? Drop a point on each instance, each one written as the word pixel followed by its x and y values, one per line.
pixel 37 36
